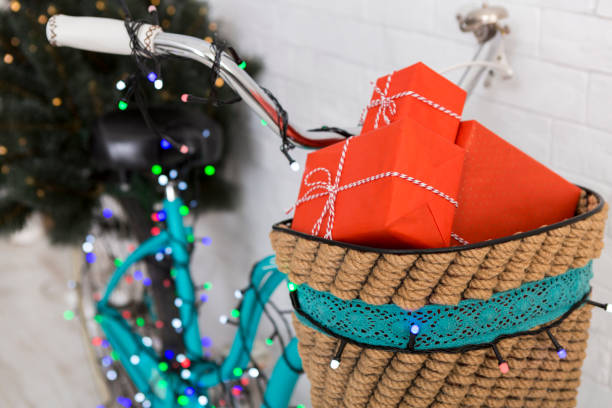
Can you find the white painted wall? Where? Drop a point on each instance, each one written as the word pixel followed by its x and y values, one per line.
pixel 320 56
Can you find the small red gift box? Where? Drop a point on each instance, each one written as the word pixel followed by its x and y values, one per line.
pixel 420 93
pixel 504 191
pixel 393 187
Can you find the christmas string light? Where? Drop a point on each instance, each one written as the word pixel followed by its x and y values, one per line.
pixel 502 364
pixel 210 170
pixel 414 330
pixel 335 363
pixel 561 352
pixel 604 306
pixel 165 144
pixel 152 77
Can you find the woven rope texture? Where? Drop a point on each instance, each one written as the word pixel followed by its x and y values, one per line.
pixel 375 378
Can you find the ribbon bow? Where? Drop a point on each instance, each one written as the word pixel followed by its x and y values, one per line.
pixel 331 190
pixel 387 106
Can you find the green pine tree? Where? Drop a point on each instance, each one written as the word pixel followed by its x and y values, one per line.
pixel 50 97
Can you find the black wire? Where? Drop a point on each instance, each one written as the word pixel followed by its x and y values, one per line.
pixel 332 129
pixel 219 47
pixel 141 57
pixel 282 120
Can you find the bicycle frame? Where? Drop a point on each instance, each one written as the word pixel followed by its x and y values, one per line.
pixel 142 364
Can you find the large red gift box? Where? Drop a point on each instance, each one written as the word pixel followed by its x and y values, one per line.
pixel 504 191
pixel 394 187
pixel 420 93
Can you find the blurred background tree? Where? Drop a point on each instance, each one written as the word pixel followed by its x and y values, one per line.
pixel 51 97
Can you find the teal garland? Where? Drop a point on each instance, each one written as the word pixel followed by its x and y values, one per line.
pixel 469 324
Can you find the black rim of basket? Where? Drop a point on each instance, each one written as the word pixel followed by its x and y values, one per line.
pixel 287 223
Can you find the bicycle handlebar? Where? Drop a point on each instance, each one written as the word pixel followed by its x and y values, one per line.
pixel 110 36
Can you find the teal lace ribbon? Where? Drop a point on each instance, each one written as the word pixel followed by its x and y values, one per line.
pixel 440 327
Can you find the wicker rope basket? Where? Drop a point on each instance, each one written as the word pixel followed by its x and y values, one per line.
pixel 411 279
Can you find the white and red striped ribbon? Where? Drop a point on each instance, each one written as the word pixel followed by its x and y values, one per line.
pixel 387 106
pixel 331 190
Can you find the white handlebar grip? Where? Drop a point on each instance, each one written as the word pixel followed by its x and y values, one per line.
pixel 97 34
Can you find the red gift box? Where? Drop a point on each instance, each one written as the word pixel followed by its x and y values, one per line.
pixel 420 93
pixel 392 187
pixel 504 191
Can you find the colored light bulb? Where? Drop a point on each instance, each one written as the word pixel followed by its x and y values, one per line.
pixel 162 180
pixel 152 76
pixel 120 85
pixel 122 105
pixel 68 315
pixel 208 286
pixel 292 287
pixel 237 372
pixel 242 65
pixel 253 372
pixel 111 375
pixel 156 169
pixel 163 366
pixel 210 170
pixel 107 213
pixel 504 367
pixel 235 313
pixel 165 144
pixel 414 329
pixel 184 210
pixel 562 353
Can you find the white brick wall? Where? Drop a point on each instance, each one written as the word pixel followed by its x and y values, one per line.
pixel 319 57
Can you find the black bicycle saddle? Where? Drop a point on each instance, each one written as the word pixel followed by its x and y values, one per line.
pixel 121 140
